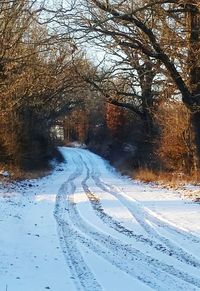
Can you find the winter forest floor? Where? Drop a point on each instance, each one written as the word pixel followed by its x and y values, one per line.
pixel 86 227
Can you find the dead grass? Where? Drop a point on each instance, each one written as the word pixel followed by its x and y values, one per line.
pixel 167 179
pixel 18 174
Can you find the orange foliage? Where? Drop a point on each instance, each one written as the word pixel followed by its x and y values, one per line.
pixel 115 118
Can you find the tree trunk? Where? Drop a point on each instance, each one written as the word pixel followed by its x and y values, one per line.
pixel 196 127
pixel 194 70
pixel 194 49
pixel 148 108
pixel 149 125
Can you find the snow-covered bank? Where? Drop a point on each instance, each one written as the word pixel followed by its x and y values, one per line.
pixel 30 254
pixel 85 227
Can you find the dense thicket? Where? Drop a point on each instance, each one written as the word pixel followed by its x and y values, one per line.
pixel 38 83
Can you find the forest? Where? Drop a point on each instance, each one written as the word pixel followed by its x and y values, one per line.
pixel 120 77
pixel 99 145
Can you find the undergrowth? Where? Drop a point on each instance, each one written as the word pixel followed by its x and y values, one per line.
pixel 170 179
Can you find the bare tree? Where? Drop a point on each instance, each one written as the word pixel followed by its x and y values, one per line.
pixel 165 31
pixel 38 83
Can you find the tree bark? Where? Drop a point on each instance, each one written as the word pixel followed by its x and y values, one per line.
pixel 194 49
pixel 194 69
pixel 195 118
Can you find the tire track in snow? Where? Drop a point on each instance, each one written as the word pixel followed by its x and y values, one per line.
pixel 125 257
pixel 138 213
pixel 84 278
pixel 129 259
pixel 128 254
pixel 109 220
pixel 151 216
pixel 160 222
pixel 68 235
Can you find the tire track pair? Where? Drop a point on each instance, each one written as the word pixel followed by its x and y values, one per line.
pixel 129 259
pixel 113 223
pixel 122 256
pixel 171 250
pixel 84 278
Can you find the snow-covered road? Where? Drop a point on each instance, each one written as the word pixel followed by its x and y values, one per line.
pixel 85 227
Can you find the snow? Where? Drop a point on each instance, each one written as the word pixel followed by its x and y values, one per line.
pixel 4 173
pixel 85 227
